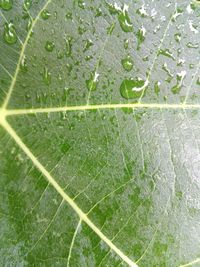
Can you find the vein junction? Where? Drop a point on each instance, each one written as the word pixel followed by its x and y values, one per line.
pixel 58 188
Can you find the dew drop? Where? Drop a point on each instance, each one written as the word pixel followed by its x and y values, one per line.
pixel 124 20
pixel 140 36
pixel 177 37
pixel 23 64
pixel 157 88
pixel 81 4
pixel 6 4
pixel 27 4
pixel 49 46
pixel 166 53
pixel 45 14
pixel 69 15
pixel 127 63
pixel 177 87
pixel 46 76
pixel 68 46
pixel 191 45
pixel 126 43
pixel 133 88
pixel 88 44
pixel 10 35
pixel 92 81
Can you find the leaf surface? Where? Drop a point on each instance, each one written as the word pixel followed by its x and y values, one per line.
pixel 99 135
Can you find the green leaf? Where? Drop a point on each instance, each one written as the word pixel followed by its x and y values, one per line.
pixel 99 133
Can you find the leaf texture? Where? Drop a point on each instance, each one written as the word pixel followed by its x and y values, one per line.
pixel 99 133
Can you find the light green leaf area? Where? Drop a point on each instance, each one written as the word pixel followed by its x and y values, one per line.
pixel 99 133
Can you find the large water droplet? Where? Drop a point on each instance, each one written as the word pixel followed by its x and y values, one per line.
pixel 10 35
pixel 45 14
pixel 49 46
pixel 124 20
pixel 132 88
pixel 127 63
pixel 6 4
pixel 92 81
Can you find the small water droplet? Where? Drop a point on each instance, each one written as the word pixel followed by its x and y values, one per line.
pixel 166 53
pixel 68 41
pixel 180 77
pixel 132 88
pixel 110 28
pixel 49 46
pixel 81 4
pixel 88 44
pixel 92 81
pixel 142 11
pixel 69 15
pixel 6 4
pixel 126 43
pixel 46 76
pixel 23 64
pixel 124 20
pixel 127 63
pixel 27 4
pixel 177 37
pixel 45 14
pixel 10 35
pixel 140 36
pixel 191 45
pixel 157 88
pixel 123 17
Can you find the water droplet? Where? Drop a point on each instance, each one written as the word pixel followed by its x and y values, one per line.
pixel 157 88
pixel 191 45
pixel 140 36
pixel 69 15
pixel 127 63
pixel 27 4
pixel 10 35
pixel 177 37
pixel 45 14
pixel 98 12
pixel 111 28
pixel 46 76
pixel 29 24
pixel 88 44
pixel 6 4
pixel 133 88
pixel 68 46
pixel 81 4
pixel 124 20
pixel 49 46
pixel 23 64
pixel 142 11
pixel 93 81
pixel 180 77
pixel 166 53
pixel 126 43
pixel 113 9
